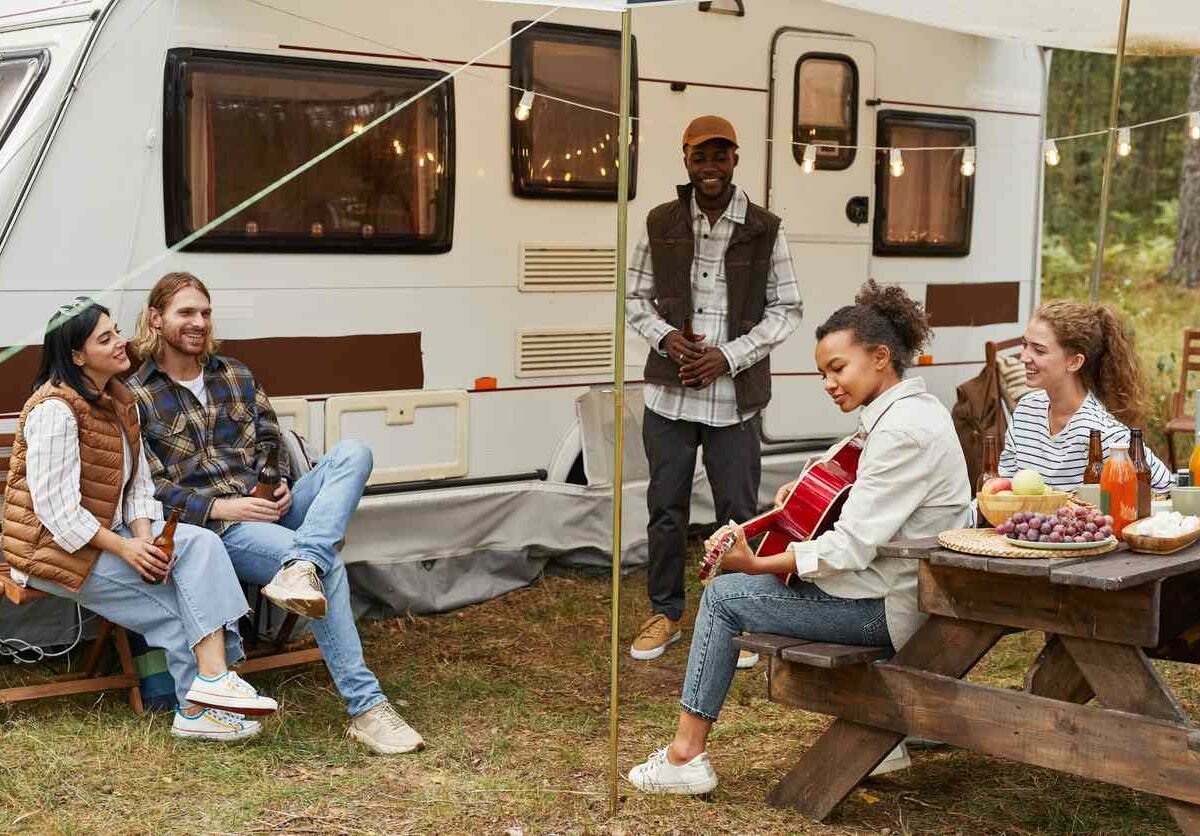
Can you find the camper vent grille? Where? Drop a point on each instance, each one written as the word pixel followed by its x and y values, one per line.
pixel 559 268
pixel 557 352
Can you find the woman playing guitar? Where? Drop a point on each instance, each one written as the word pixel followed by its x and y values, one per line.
pixel 911 481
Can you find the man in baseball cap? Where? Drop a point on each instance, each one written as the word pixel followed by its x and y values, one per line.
pixel 712 289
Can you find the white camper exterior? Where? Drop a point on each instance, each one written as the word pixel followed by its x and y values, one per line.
pixel 519 293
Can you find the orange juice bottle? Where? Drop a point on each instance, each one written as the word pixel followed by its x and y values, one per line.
pixel 1119 489
pixel 1194 461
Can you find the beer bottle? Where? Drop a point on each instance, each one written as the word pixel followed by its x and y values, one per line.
pixel 269 477
pixel 991 462
pixel 165 541
pixel 1095 462
pixel 1137 453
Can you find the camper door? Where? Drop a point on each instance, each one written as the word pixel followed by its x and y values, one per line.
pixel 821 185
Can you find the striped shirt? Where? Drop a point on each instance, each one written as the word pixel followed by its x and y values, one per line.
pixel 1062 458
pixel 714 405
pixel 52 468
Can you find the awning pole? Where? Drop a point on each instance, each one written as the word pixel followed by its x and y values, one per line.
pixel 1114 113
pixel 619 395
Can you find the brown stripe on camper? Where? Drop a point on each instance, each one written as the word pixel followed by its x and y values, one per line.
pixel 283 365
pixel 972 304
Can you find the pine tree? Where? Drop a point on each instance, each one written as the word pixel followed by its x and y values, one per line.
pixel 1186 266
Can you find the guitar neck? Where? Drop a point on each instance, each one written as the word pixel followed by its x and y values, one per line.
pixel 757 525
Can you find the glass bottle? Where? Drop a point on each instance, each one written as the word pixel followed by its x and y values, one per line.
pixel 1095 462
pixel 165 541
pixel 1118 489
pixel 269 476
pixel 991 462
pixel 1137 454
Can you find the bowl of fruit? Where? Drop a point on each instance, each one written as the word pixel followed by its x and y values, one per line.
pixel 999 499
pixel 1065 529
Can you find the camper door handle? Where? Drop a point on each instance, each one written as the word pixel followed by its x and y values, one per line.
pixel 856 209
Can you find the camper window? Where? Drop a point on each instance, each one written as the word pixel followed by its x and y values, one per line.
pixel 825 110
pixel 235 123
pixel 927 209
pixel 20 74
pixel 560 149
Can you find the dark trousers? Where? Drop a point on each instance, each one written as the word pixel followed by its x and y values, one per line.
pixel 733 462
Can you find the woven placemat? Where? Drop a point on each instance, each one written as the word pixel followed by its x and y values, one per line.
pixel 985 541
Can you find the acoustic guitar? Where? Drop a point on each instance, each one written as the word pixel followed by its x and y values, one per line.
pixel 810 509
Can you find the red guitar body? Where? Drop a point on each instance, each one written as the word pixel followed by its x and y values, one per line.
pixel 810 509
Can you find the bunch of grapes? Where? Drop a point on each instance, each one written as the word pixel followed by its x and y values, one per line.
pixel 1067 525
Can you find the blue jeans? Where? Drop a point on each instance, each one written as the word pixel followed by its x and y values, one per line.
pixel 201 596
pixel 734 604
pixel 323 500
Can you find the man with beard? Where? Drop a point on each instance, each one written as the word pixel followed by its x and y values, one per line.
pixel 712 289
pixel 209 429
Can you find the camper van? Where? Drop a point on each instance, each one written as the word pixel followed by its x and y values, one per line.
pixel 442 286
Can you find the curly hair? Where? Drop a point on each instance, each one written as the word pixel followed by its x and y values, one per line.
pixel 883 315
pixel 1111 369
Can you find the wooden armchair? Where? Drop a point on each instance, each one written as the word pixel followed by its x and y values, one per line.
pixel 89 679
pixel 1181 422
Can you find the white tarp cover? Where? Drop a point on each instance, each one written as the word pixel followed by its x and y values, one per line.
pixel 1156 27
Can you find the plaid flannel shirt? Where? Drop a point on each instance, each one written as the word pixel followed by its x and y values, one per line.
pixel 201 453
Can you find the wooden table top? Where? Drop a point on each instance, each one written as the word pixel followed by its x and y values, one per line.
pixel 1118 570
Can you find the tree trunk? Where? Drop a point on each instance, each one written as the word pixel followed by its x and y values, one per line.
pixel 1186 266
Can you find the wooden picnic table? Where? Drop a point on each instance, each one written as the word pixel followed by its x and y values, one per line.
pixel 1104 617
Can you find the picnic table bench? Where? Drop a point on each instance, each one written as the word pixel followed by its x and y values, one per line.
pixel 1104 618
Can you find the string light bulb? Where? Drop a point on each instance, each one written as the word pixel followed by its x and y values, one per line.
pixel 524 107
pixel 968 162
pixel 896 162
pixel 809 163
pixel 1194 125
pixel 1050 152
pixel 1124 142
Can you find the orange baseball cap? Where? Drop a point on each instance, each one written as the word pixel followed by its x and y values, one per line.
pixel 703 128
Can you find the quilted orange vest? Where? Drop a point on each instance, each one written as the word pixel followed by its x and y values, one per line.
pixel 28 545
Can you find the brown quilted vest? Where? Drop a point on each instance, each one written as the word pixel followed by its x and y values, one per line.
pixel 747 268
pixel 28 545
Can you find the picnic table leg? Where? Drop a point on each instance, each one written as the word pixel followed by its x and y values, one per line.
pixel 847 752
pixel 1125 680
pixel 98 645
pixel 1055 675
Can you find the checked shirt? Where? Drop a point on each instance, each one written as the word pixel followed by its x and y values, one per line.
pixel 199 454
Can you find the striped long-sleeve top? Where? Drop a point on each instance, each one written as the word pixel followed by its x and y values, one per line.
pixel 1062 458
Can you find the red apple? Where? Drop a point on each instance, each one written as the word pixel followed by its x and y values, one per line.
pixel 994 486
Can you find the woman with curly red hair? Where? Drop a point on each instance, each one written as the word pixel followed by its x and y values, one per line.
pixel 1081 363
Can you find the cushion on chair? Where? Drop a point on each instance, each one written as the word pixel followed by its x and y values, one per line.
pixel 1012 380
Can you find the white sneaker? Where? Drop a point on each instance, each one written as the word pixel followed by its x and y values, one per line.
pixel 231 693
pixel 896 760
pixel 297 588
pixel 659 775
pixel 746 659
pixel 214 724
pixel 384 732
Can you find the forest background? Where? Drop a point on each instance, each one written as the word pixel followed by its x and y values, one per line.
pixel 1152 255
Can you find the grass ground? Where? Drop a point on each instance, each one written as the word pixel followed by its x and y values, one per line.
pixel 512 697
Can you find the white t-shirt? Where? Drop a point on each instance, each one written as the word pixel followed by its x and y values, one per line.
pixel 196 387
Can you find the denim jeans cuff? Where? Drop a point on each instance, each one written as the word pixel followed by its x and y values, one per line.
pixel 703 715
pixel 378 700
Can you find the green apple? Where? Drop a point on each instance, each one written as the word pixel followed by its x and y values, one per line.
pixel 1028 483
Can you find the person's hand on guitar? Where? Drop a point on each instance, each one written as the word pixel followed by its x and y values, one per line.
pixel 781 495
pixel 737 557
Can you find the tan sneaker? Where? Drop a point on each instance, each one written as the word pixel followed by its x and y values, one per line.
pixel 654 635
pixel 296 588
pixel 746 659
pixel 384 732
